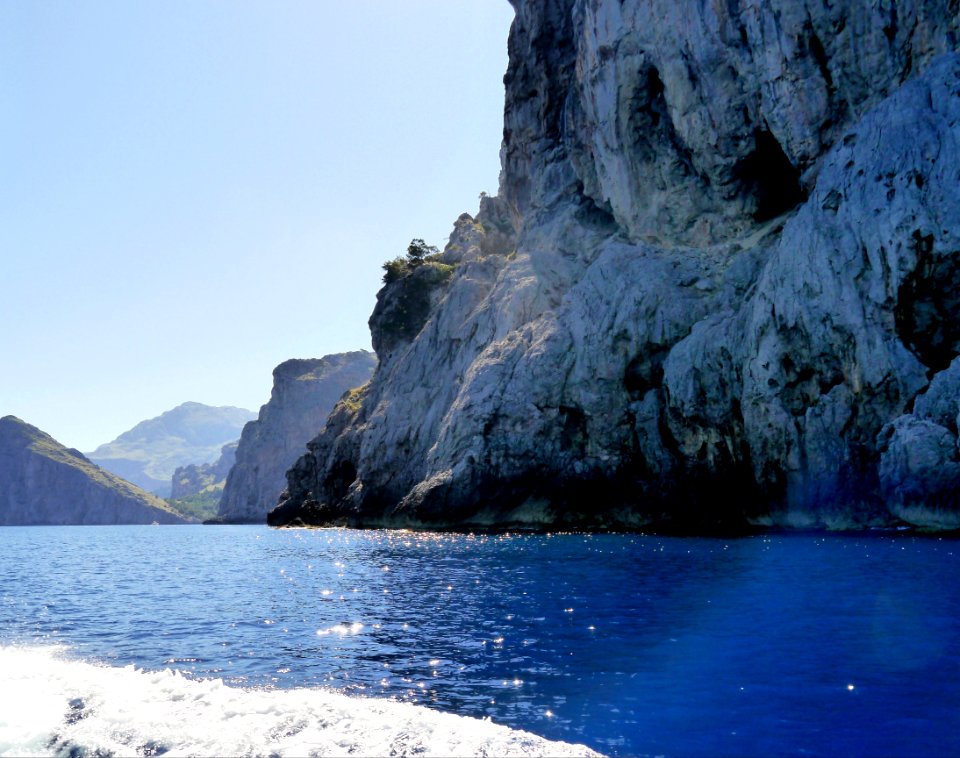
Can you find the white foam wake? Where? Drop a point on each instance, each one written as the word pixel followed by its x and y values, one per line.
pixel 51 705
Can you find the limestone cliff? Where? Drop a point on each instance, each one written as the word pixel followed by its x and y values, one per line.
pixel 195 490
pixel 304 392
pixel 197 477
pixel 43 483
pixel 715 286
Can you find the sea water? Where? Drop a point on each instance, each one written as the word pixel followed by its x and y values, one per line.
pixel 247 640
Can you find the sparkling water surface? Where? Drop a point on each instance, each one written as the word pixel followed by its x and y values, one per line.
pixel 776 645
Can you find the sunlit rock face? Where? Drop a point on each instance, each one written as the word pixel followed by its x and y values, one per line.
pixel 723 258
pixel 304 392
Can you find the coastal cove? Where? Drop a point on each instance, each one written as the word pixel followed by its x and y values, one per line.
pixel 826 644
pixel 654 452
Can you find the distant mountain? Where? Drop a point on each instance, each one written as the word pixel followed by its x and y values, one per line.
pixel 304 393
pixel 42 482
pixel 191 433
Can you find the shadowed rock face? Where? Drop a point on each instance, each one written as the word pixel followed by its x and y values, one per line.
pixel 304 392
pixel 195 478
pixel 42 482
pixel 716 281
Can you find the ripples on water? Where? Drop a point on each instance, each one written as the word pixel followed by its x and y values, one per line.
pixel 766 645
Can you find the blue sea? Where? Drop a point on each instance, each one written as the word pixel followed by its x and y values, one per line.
pixel 189 640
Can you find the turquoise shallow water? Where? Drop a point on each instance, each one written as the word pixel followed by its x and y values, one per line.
pixel 777 645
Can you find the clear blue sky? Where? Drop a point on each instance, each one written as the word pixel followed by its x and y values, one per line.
pixel 192 191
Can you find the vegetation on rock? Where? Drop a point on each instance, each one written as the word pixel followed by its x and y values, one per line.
pixel 418 252
pixel 352 399
pixel 406 299
pixel 200 506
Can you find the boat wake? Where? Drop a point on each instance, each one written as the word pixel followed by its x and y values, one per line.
pixel 52 705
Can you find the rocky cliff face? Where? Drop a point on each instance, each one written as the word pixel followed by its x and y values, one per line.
pixel 304 392
pixel 42 483
pixel 715 288
pixel 197 477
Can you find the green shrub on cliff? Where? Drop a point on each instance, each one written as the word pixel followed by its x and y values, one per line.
pixel 394 269
pixel 418 252
pixel 404 304
pixel 352 399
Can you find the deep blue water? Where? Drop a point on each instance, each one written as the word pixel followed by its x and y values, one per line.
pixel 777 645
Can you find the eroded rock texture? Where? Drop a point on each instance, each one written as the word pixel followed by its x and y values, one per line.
pixel 720 273
pixel 304 392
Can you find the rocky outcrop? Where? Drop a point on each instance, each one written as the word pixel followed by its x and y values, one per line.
pixel 192 479
pixel 919 458
pixel 44 483
pixel 718 277
pixel 304 392
pixel 196 489
pixel 150 452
